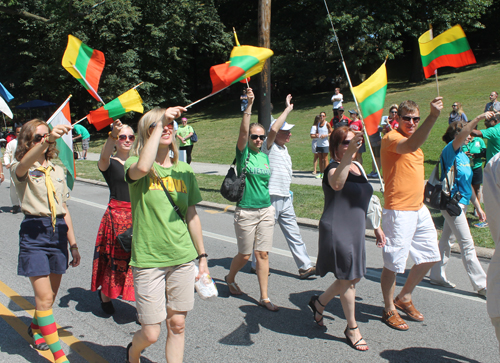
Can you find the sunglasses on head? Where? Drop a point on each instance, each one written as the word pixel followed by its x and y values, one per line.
pixel 124 137
pixel 39 137
pixel 409 118
pixel 255 137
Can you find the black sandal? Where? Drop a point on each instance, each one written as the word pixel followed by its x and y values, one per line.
pixel 41 346
pixel 312 305
pixel 107 307
pixel 357 344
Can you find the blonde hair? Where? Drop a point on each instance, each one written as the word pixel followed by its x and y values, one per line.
pixel 124 126
pixel 155 115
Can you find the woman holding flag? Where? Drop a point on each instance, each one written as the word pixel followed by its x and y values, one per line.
pixel 47 228
pixel 164 244
pixel 111 270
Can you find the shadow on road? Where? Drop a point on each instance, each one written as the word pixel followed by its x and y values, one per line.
pixel 424 355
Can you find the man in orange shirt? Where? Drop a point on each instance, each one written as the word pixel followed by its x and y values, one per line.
pixel 406 221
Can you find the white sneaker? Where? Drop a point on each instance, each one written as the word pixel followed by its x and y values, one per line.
pixel 449 284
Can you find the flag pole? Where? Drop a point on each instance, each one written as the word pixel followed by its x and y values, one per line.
pixel 204 98
pixel 435 71
pixel 80 120
pixel 137 85
pixel 367 137
pixel 58 110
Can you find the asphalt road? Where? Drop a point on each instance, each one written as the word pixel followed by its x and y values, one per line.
pixel 236 329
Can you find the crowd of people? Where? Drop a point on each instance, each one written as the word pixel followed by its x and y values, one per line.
pixel 156 194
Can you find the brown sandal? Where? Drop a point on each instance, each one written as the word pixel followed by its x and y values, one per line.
pixel 409 309
pixel 393 320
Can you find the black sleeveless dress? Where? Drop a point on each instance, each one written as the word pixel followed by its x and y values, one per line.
pixel 342 228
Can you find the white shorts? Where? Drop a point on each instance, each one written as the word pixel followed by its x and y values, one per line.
pixel 409 233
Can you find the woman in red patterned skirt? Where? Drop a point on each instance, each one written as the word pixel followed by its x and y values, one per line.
pixel 111 269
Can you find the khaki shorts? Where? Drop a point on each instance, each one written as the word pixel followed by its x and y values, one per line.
pixel 254 229
pixel 152 284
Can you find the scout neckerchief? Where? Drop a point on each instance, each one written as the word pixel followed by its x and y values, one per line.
pixel 51 193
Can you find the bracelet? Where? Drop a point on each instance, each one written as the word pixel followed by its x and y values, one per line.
pixel 73 248
pixel 113 137
pixel 247 113
pixel 201 256
pixel 50 143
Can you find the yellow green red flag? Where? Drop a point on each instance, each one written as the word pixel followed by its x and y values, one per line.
pixel 371 98
pixel 105 115
pixel 85 64
pixel 448 49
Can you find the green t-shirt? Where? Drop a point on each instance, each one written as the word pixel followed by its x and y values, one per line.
pixel 493 136
pixel 80 130
pixel 183 131
pixel 475 146
pixel 256 194
pixel 160 237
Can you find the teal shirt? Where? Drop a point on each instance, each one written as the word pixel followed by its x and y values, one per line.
pixel 80 130
pixel 256 194
pixel 493 136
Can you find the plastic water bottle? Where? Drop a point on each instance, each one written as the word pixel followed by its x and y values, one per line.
pixel 205 286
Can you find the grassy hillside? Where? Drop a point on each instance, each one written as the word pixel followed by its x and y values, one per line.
pixel 217 126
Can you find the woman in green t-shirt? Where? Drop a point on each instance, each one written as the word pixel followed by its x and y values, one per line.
pixel 184 133
pixel 254 214
pixel 164 247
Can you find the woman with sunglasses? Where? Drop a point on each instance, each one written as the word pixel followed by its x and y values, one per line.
pixel 342 250
pixel 47 228
pixel 457 113
pixel 454 157
pixel 390 122
pixel 111 271
pixel 254 214
pixel 164 246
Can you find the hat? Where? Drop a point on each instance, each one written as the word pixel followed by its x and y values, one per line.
pixel 286 126
pixel 340 108
pixel 353 111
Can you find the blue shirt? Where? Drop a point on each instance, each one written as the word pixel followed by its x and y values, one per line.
pixel 463 174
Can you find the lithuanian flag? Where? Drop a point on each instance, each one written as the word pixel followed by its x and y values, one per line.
pixel 371 97
pixel 245 61
pixel 105 115
pixel 448 49
pixel 85 64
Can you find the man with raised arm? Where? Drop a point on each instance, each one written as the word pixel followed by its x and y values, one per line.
pixel 406 221
pixel 279 189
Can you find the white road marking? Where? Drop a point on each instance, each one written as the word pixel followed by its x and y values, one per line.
pixel 286 253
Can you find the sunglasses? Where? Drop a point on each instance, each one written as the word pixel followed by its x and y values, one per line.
pixel 454 105
pixel 124 137
pixel 255 137
pixel 409 118
pixel 170 126
pixel 346 142
pixel 39 137
pixel 394 111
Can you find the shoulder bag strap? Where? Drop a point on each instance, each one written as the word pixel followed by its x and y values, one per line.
pixel 176 208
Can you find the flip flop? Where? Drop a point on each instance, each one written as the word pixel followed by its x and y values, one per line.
pixel 266 303
pixel 234 286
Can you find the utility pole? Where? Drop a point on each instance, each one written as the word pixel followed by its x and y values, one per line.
pixel 264 96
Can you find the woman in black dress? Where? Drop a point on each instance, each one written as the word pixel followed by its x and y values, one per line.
pixel 111 270
pixel 342 230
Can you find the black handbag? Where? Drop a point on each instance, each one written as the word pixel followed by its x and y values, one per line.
pixel 194 137
pixel 437 197
pixel 125 238
pixel 233 187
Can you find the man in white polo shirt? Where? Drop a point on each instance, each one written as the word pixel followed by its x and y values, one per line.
pixel 279 189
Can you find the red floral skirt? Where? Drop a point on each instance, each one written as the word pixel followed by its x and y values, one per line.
pixel 111 270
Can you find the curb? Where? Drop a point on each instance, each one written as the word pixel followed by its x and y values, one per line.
pixel 482 252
